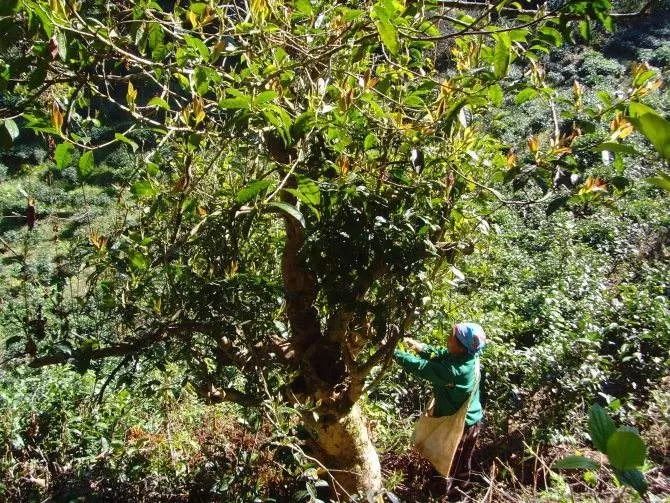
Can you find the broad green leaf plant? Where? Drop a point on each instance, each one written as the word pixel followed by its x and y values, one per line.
pixel 623 446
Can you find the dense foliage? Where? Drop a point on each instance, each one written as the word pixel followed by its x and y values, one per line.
pixel 270 196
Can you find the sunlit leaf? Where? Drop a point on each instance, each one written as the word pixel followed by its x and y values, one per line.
pixel 651 125
pixel 388 33
pixel 122 138
pixel 287 209
pixel 625 449
pixel 370 141
pixel 525 95
pixel 661 180
pixel 138 260
pixel 304 6
pixel 585 29
pixel 131 93
pixel 63 155
pixel 496 95
pixel 265 97
pixel 501 55
pixel 238 102
pixel 198 45
pixel 552 35
pixel 158 102
pixel 252 190
pixel 307 191
pixel 259 9
pixel 9 131
pixel 143 188
pixel 86 164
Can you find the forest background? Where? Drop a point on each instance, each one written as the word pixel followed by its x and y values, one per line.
pixel 573 293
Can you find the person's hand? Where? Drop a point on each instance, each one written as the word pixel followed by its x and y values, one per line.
pixel 413 344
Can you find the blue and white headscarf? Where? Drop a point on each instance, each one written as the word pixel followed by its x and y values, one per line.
pixel 471 335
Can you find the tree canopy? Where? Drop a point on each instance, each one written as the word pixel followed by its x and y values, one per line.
pixel 305 172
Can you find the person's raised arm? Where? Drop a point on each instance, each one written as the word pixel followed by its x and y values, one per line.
pixel 421 367
pixel 421 348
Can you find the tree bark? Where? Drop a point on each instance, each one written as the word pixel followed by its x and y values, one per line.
pixel 344 447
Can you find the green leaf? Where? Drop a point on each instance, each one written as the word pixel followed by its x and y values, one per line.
pixel 280 119
pixel 608 23
pixel 585 29
pixel 575 462
pixel 252 190
pixel 304 7
pixel 605 98
pixel 43 16
pixel 143 188
pixel 601 427
pixel 138 260
pixel 12 128
pixel 626 450
pixel 302 124
pixel 238 102
pixel 308 191
pixel 155 39
pixel 122 138
pixel 661 180
pixel 158 102
pixel 61 42
pixel 651 125
pixel 370 141
pixel 634 479
pixel 63 155
pixel 552 35
pixel 496 95
pixel 289 210
pixel 643 77
pixel 414 100
pixel 8 133
pixel 525 95
pixel 198 45
pixel 388 33
pixel 501 55
pixel 86 164
pixel 201 78
pixel 265 97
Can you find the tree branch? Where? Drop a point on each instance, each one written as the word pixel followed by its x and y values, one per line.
pixel 384 352
pixel 483 5
pixel 122 349
pixel 300 286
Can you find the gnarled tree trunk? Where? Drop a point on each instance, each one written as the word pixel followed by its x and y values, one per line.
pixel 344 447
pixel 328 374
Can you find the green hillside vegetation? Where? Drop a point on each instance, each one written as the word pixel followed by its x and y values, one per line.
pixel 155 291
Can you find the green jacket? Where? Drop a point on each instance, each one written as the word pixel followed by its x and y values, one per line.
pixel 452 377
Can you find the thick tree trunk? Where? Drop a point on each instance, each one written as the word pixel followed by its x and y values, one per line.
pixel 345 449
